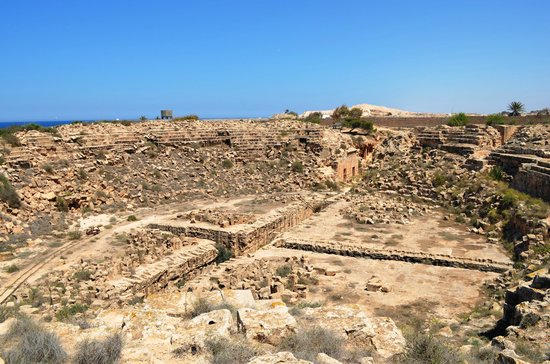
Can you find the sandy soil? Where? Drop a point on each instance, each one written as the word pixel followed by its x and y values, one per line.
pixel 429 233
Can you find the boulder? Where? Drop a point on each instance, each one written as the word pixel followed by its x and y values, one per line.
pixel 266 326
pixel 379 333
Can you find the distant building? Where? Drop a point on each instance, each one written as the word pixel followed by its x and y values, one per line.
pixel 166 114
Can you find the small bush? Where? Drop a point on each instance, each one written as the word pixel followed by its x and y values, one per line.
pixel 283 270
pixel 34 344
pixel 439 179
pixel 12 268
pixel 82 174
pixel 355 123
pixel 297 167
pixel 48 168
pixel 227 164
pixel 61 204
pixel 202 305
pixel 496 173
pixel 66 312
pixel 106 351
pixel 314 117
pixel 8 193
pixel 132 218
pixel 459 119
pixel 82 275
pixel 74 235
pixel 427 349
pixel 307 343
pixel 7 312
pixel 224 253
pixel 187 117
pixel 230 352
pixel 495 119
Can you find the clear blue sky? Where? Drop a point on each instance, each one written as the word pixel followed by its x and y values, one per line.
pixel 108 59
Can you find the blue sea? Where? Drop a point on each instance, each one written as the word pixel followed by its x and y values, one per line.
pixel 4 124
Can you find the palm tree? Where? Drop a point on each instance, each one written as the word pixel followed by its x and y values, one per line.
pixel 516 108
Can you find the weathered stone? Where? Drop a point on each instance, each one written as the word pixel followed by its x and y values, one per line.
pixel 266 326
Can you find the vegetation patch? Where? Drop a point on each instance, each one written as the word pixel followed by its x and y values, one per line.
pixel 307 343
pixel 104 351
pixel 31 343
pixel 8 193
pixel 67 312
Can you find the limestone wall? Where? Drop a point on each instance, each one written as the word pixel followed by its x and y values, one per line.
pixel 405 256
pixel 254 236
pixel 347 168
pixel 534 179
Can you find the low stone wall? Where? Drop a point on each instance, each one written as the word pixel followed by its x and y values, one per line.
pixel 254 236
pixel 534 179
pixel 183 265
pixel 486 265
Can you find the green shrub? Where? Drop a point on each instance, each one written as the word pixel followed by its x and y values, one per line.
pixel 297 167
pixel 187 117
pixel 340 112
pixel 459 119
pixel 439 179
pixel 2 160
pixel 66 312
pixel 82 174
pixel 354 123
pixel 48 168
pixel 8 193
pixel 230 351
pixel 224 253
pixel 12 268
pixel 495 119
pixel 82 275
pixel 227 164
pixel 307 343
pixel 283 270
pixel 424 348
pixel 74 235
pixel 106 351
pixel 314 117
pixel 61 204
pixel 33 344
pixel 132 218
pixel 7 312
pixel 496 173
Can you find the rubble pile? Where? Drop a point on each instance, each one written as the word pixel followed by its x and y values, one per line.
pixel 375 208
pixel 442 178
pixel 220 217
pixel 270 278
pixel 151 261
pixel 92 168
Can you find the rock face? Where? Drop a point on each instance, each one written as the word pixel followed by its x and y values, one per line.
pixel 266 326
pixel 77 168
pixel 379 333
pixel 526 157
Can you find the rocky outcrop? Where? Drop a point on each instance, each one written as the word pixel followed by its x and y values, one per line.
pixel 269 326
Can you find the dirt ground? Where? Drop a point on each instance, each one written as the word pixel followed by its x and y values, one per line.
pixel 416 290
pixel 429 234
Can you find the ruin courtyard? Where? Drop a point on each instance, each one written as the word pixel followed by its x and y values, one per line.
pixel 248 239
